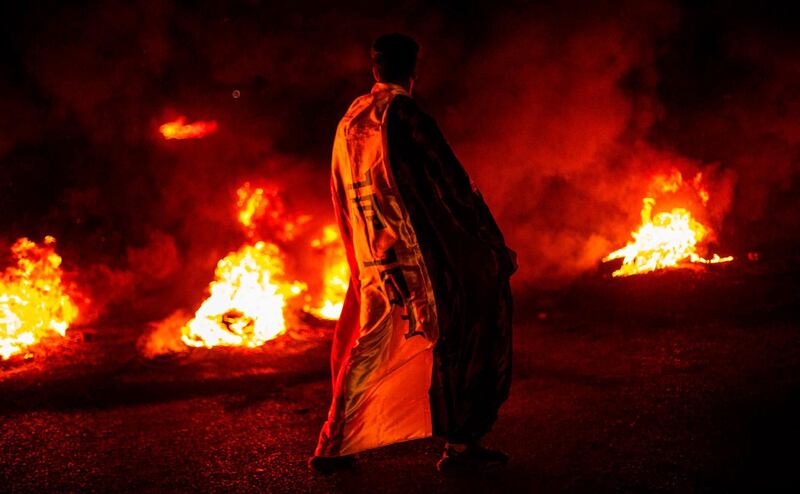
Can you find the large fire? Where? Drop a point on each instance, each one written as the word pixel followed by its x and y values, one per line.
pixel 251 292
pixel 34 303
pixel 179 129
pixel 668 238
pixel 246 301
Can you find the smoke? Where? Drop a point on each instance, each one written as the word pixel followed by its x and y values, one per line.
pixel 735 99
pixel 561 112
pixel 562 100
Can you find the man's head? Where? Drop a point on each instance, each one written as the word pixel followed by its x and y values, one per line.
pixel 394 58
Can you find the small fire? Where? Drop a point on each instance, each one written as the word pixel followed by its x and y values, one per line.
pixel 179 129
pixel 34 302
pixel 264 207
pixel 246 300
pixel 252 205
pixel 336 273
pixel 666 239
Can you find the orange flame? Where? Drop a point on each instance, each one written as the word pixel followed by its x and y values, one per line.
pixel 247 298
pixel 34 303
pixel 179 129
pixel 250 296
pixel 252 205
pixel 246 301
pixel 669 238
pixel 263 205
pixel 336 274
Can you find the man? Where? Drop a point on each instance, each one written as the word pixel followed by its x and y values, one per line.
pixel 423 345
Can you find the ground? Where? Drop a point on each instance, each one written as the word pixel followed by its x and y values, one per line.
pixel 652 403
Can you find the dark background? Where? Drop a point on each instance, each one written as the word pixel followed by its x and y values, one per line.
pixel 561 111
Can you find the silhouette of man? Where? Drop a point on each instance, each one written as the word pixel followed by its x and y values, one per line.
pixel 423 345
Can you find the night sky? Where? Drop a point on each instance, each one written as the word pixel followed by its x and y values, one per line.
pixel 560 111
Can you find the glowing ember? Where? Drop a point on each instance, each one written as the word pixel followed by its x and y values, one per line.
pixel 246 301
pixel 336 274
pixel 34 303
pixel 179 129
pixel 667 239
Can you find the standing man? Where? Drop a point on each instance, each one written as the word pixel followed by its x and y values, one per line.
pixel 423 345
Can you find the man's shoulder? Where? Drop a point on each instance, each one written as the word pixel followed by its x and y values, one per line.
pixel 405 109
pixel 403 103
pixel 357 106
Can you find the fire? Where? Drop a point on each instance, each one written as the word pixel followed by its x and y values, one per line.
pixel 252 205
pixel 252 294
pixel 179 129
pixel 246 300
pixel 336 273
pixel 263 206
pixel 669 238
pixel 34 302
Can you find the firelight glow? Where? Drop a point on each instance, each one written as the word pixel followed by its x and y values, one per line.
pixel 252 293
pixel 34 303
pixel 179 129
pixel 670 237
pixel 264 206
pixel 246 300
pixel 336 273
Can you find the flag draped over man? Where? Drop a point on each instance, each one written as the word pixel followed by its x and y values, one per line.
pixel 423 344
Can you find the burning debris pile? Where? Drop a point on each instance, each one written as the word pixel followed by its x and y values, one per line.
pixel 35 303
pixel 671 238
pixel 246 301
pixel 252 294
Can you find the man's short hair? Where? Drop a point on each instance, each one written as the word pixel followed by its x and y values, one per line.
pixel 395 57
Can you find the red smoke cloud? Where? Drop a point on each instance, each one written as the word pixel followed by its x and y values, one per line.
pixel 561 113
pixel 554 137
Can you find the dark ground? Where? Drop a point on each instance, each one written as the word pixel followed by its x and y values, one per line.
pixel 604 398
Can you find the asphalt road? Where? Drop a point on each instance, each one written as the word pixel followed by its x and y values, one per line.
pixel 596 405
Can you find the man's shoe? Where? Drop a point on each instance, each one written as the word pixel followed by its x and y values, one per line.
pixel 328 465
pixel 472 459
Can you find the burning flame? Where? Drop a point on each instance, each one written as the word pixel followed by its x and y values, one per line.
pixel 179 129
pixel 252 205
pixel 246 301
pixel 668 238
pixel 249 297
pixel 264 206
pixel 34 303
pixel 336 274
